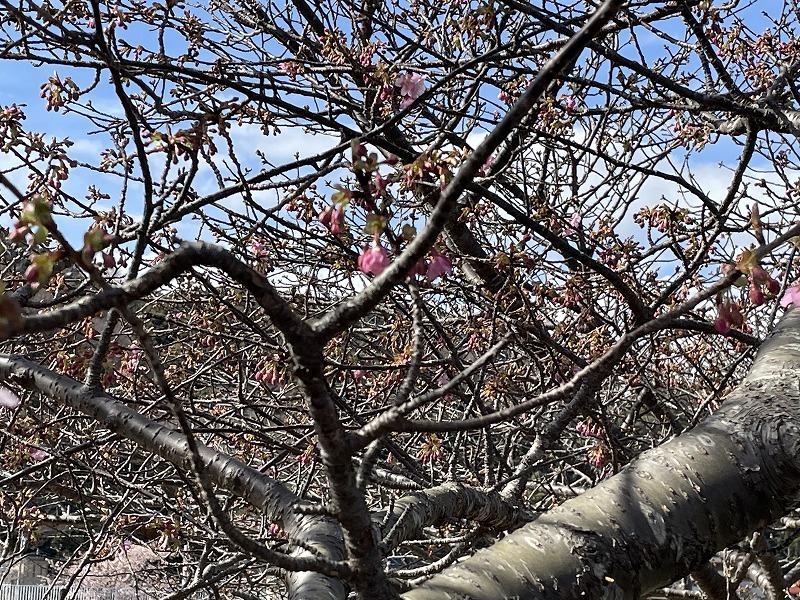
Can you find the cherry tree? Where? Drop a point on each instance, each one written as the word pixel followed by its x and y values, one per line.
pixel 401 299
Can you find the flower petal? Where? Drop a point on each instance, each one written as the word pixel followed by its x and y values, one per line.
pixel 8 399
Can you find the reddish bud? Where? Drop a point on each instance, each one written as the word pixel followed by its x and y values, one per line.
pixel 721 325
pixel 756 295
pixel 735 316
pixel 759 275
pixel 773 287
pixel 419 268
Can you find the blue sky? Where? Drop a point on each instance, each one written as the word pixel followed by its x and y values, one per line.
pixel 19 83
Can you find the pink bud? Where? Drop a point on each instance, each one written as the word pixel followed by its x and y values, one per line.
pixel 373 259
pixel 17 233
pixel 108 260
pixel 440 265
pixel 325 216
pixel 32 274
pixel 380 184
pixel 337 219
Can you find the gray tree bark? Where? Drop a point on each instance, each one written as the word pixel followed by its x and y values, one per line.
pixel 667 512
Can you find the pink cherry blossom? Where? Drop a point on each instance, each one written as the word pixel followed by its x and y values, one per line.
pixel 8 399
pixel 574 223
pixel 588 428
pixel 504 96
pixel 373 259
pixel 337 219
pixel 598 456
pixel 258 248
pixel 440 265
pixel 38 455
pixel 412 86
pixel 792 295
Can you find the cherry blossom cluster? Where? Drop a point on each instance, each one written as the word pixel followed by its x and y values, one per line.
pixel 268 374
pixel 412 86
pixel 58 92
pixel 588 428
pixel 431 449
pixel 374 259
pixel 728 315
pixel 599 455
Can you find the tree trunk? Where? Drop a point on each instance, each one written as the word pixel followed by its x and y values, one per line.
pixel 667 512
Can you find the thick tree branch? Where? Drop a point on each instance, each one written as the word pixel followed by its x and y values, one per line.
pixel 412 513
pixel 668 511
pixel 182 260
pixel 257 489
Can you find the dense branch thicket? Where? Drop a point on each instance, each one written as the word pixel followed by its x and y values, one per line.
pixel 314 298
